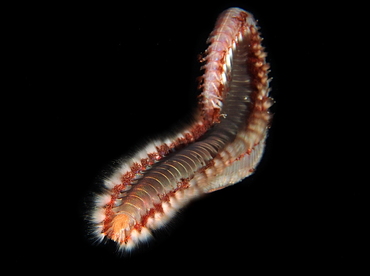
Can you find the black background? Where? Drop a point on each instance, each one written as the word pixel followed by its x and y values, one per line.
pixel 91 83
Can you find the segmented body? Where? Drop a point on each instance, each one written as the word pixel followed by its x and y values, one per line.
pixel 221 147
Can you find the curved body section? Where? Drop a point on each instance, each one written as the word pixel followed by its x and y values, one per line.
pixel 221 147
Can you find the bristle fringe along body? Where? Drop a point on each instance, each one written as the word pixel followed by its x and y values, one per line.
pixel 223 145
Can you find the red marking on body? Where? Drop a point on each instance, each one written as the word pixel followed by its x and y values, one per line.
pixel 163 150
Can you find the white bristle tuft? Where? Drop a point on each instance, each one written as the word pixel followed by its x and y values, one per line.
pixel 102 199
pixel 98 215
